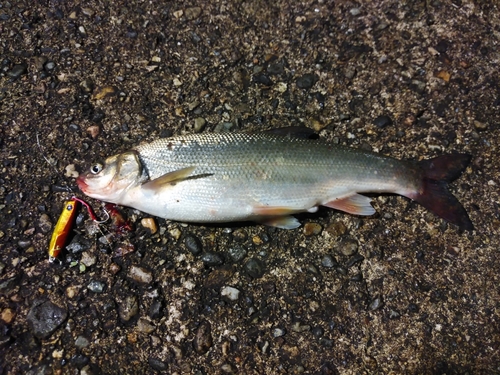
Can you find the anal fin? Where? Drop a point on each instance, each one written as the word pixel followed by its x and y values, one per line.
pixel 355 204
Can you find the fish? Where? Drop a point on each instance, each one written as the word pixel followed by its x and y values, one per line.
pixel 267 177
pixel 62 229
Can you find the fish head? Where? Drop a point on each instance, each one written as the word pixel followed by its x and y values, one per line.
pixel 109 181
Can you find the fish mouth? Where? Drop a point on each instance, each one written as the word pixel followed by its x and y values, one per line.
pixel 82 185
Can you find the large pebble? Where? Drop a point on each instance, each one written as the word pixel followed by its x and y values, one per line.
pixel 45 317
pixel 203 338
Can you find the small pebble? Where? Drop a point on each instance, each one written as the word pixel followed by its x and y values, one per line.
pixel 232 293
pixel 341 270
pixel 237 253
pixel 263 79
pixel 96 286
pixel 212 259
pixel 81 342
pixel 328 262
pixel 306 81
pixel 375 304
pixel 382 121
pixel 71 291
pixel 254 268
pixel 87 85
pixel 88 259
pixel 50 65
pixel 157 365
pixel 24 244
pixel 327 343
pixel 199 124
pixel 128 308
pixel 93 131
pixel 193 244
pixel 480 125
pixel 355 11
pixel 122 249
pixel 114 268
pixel 311 229
pixel 394 314
pixel 40 62
pixel 257 240
pixel 105 92
pixel 145 326
pixel 45 223
pixel 17 71
pixel 354 259
pixel 70 171
pixel 7 315
pixel 203 338
pixel 155 310
pixel 318 331
pixel 192 13
pixel 240 235
pixel 149 223
pixel 348 247
pixel 175 233
pixel 278 332
pixel 413 308
pixel 297 327
pixel 336 229
pixel 140 275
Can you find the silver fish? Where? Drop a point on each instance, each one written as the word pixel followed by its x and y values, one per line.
pixel 265 177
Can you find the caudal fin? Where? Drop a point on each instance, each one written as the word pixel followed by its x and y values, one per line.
pixel 434 194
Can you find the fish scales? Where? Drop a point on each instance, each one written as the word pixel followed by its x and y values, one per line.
pixel 266 170
pixel 264 177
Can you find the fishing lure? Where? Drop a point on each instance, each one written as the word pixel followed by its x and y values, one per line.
pixel 62 228
pixel 65 224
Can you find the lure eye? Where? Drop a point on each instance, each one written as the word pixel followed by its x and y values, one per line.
pixel 96 168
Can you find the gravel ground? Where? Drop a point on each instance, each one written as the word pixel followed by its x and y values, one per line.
pixel 399 292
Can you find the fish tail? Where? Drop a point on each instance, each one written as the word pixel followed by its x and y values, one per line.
pixel 434 194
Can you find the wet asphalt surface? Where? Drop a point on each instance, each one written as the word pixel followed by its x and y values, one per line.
pixel 399 292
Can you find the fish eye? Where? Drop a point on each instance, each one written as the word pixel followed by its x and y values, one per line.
pixel 96 168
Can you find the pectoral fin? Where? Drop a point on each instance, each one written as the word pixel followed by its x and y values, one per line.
pixel 355 204
pixel 169 178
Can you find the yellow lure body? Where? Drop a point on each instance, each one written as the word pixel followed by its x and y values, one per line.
pixel 62 229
